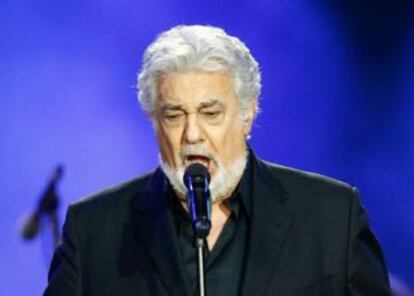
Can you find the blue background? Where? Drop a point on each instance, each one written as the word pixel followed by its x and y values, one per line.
pixel 338 99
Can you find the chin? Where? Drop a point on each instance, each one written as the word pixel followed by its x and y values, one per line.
pixel 224 179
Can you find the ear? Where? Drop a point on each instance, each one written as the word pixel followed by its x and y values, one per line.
pixel 249 116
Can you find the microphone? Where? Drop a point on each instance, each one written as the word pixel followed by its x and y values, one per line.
pixel 48 204
pixel 196 179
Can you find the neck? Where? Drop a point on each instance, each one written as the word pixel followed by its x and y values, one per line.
pixel 220 213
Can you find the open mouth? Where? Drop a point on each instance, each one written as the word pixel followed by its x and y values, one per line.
pixel 194 158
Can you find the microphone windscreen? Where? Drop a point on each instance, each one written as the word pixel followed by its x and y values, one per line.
pixel 30 227
pixel 196 171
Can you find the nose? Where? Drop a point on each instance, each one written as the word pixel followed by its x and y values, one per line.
pixel 193 131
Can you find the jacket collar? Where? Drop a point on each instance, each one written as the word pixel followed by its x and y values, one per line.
pixel 269 226
pixel 154 228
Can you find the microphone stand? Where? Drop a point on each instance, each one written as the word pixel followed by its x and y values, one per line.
pixel 200 245
pixel 199 206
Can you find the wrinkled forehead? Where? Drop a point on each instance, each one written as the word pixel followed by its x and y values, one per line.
pixel 184 74
pixel 204 87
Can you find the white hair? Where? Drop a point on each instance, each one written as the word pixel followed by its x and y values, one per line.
pixel 225 179
pixel 204 48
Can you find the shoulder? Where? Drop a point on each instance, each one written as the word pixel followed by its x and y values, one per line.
pixel 309 188
pixel 320 205
pixel 111 200
pixel 293 176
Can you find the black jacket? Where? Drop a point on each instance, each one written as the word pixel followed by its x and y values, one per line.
pixel 308 235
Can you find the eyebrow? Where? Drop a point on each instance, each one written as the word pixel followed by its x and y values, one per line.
pixel 210 103
pixel 166 106
pixel 172 107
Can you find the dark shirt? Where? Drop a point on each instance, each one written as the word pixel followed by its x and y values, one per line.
pixel 224 264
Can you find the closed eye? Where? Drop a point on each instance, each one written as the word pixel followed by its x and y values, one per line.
pixel 211 114
pixel 172 116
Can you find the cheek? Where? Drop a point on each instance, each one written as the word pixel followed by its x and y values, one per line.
pixel 230 142
pixel 169 142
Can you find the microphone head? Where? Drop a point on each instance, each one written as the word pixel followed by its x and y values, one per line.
pixel 196 172
pixel 30 228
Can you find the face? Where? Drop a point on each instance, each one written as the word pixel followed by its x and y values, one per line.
pixel 198 119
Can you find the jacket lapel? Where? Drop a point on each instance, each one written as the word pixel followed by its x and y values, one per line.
pixel 270 222
pixel 156 233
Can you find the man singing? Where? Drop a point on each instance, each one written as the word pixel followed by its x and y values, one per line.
pixel 274 230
